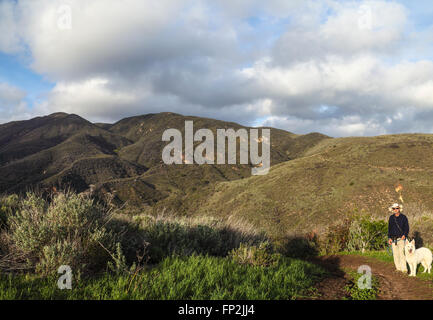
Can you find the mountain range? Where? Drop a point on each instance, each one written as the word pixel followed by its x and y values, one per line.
pixel 314 180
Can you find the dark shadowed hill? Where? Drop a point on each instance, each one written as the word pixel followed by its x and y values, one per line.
pixel 36 150
pixel 146 132
pixel 19 139
pixel 66 150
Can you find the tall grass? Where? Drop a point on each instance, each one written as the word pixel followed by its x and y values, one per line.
pixel 193 277
pixel 169 235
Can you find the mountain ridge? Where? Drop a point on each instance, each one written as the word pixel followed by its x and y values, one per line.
pixel 63 148
pixel 314 180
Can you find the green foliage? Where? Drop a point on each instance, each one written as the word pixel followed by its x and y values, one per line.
pixel 69 230
pixel 335 239
pixel 260 255
pixel 119 266
pixel 365 233
pixel 193 277
pixel 357 293
pixel 185 237
pixel 357 233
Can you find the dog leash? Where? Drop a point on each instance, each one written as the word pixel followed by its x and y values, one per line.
pixel 389 246
pixel 389 250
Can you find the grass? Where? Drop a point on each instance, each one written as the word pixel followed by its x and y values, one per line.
pixel 357 293
pixel 382 255
pixel 194 277
pixel 168 235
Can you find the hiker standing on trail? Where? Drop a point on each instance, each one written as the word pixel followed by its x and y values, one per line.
pixel 398 229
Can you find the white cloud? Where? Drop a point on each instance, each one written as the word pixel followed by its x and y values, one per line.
pixel 353 28
pixel 9 94
pixel 12 103
pixel 345 126
pixel 105 35
pixel 101 99
pixel 328 70
pixel 9 36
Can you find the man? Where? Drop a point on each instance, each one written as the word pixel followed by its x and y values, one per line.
pixel 398 229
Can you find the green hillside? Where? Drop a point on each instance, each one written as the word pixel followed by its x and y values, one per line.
pixel 334 179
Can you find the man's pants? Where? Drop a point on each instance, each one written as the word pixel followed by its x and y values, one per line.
pixel 399 257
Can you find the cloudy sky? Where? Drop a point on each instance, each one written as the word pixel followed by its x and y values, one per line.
pixel 338 67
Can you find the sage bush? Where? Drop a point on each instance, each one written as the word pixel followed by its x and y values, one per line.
pixel 68 230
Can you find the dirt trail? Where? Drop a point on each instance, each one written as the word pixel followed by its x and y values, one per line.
pixel 394 285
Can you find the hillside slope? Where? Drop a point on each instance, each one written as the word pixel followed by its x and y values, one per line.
pixel 176 181
pixel 314 181
pixel 36 150
pixel 66 150
pixel 335 178
pixel 146 132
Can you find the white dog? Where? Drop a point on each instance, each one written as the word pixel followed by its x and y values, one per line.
pixel 415 257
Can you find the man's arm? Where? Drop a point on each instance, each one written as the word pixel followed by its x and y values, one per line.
pixel 389 231
pixel 389 228
pixel 406 227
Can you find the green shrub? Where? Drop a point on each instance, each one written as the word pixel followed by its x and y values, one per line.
pixel 260 255
pixel 335 239
pixel 356 233
pixel 365 233
pixel 69 230
pixel 185 236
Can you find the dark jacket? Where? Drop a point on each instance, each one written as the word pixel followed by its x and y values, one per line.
pixel 393 226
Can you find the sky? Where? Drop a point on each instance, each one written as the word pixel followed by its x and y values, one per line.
pixel 342 68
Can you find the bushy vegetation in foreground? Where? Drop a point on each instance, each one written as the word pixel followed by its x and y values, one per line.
pixel 116 256
pixel 193 277
pixel 42 234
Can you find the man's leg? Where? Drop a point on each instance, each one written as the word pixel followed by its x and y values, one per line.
pixel 396 255
pixel 400 247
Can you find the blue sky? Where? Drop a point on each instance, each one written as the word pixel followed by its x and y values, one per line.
pixel 16 72
pixel 338 67
pixel 420 12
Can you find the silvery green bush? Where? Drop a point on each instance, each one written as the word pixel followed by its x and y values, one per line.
pixel 68 230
